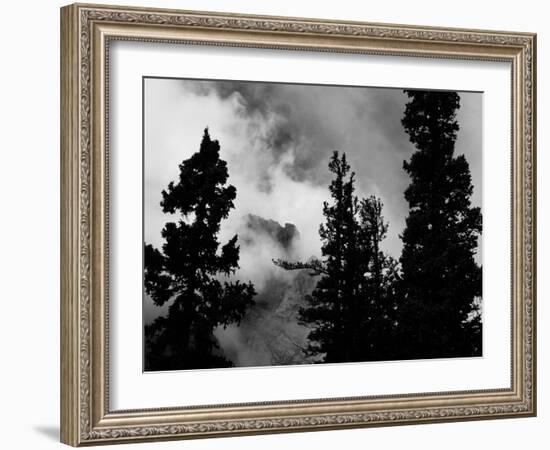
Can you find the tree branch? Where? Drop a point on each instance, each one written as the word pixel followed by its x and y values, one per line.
pixel 314 265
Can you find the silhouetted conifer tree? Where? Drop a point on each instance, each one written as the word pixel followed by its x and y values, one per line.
pixel 349 308
pixel 378 289
pixel 441 280
pixel 190 269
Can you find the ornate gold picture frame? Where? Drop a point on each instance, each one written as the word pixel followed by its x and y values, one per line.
pixel 87 32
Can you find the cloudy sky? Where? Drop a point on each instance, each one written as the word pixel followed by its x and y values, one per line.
pixel 277 140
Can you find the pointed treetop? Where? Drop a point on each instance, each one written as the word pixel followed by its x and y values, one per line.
pixel 206 140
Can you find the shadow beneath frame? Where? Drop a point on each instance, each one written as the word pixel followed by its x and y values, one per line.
pixel 51 432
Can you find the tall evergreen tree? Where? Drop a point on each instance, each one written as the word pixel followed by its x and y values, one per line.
pixel 336 292
pixel 379 287
pixel 441 280
pixel 190 270
pixel 346 310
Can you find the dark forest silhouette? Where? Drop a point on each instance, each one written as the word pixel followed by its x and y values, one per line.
pixel 365 306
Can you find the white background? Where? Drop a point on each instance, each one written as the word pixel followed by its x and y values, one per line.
pixel 29 177
pixel 132 389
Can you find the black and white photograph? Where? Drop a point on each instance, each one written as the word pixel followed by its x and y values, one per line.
pixel 288 224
